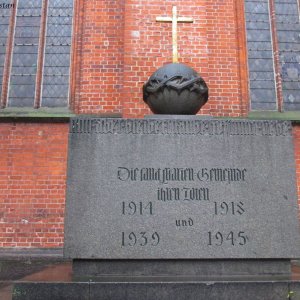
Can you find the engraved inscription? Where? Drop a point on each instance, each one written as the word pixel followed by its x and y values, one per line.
pixel 182 127
pixel 137 208
pixel 184 223
pixel 197 194
pixel 167 175
pixel 221 175
pixel 165 192
pixel 152 174
pixel 125 174
pixel 141 239
pixel 232 238
pixel 168 194
pixel 184 194
pixel 231 208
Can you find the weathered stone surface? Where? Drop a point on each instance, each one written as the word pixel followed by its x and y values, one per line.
pixel 171 189
pixel 128 290
pixel 50 291
pixel 190 290
pixel 213 270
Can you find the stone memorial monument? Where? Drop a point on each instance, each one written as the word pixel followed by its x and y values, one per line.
pixel 180 207
pixel 183 190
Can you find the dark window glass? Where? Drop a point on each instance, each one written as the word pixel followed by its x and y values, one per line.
pixel 57 53
pixel 4 28
pixel 39 68
pixel 260 56
pixel 288 32
pixel 25 54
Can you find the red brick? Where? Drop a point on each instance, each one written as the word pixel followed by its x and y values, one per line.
pixel 25 214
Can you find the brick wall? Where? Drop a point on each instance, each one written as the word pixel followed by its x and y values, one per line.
pixel 210 46
pixel 99 56
pixel 122 45
pixel 32 184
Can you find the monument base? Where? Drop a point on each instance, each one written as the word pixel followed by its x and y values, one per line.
pixel 248 279
pixel 127 290
pixel 174 270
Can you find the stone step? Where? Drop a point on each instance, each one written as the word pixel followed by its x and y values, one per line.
pixel 181 290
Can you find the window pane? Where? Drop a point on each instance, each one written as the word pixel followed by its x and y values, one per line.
pixel 25 54
pixel 288 31
pixel 260 55
pixel 57 54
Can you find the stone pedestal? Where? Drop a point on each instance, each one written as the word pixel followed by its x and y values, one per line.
pixel 181 189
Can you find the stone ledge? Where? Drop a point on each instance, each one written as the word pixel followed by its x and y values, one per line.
pixel 128 290
pixel 30 253
pixel 275 115
pixel 63 115
pixel 53 115
pixel 85 270
pixel 35 115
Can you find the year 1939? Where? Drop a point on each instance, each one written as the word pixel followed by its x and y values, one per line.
pixel 140 239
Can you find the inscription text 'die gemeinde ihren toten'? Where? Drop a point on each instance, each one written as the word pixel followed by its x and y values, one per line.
pixel 184 193
pixel 174 189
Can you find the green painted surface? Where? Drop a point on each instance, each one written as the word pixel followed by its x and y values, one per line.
pixel 274 115
pixel 35 113
pixel 43 115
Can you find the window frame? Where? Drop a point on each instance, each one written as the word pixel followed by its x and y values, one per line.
pixel 4 101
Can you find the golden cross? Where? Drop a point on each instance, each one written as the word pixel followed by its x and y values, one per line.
pixel 174 20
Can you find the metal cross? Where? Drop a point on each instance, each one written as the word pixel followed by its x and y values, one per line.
pixel 174 20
